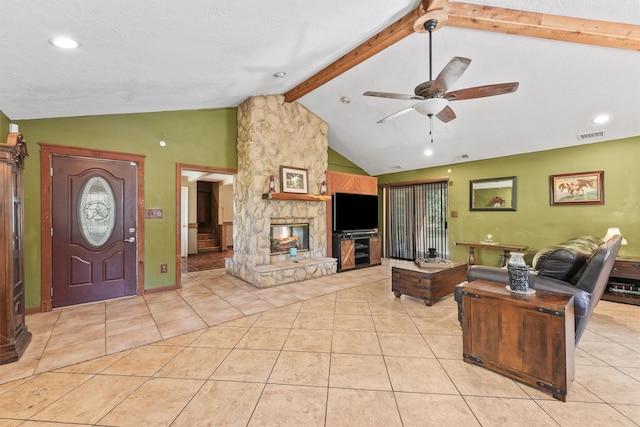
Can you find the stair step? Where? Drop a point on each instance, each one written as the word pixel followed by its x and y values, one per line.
pixel 208 236
pixel 208 243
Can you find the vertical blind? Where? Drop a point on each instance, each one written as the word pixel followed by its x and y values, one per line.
pixel 417 216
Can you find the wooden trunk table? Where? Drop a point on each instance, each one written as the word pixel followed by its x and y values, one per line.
pixel 529 338
pixel 426 283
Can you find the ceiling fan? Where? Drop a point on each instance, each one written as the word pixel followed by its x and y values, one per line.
pixel 433 95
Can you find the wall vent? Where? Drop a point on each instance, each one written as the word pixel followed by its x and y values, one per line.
pixel 590 135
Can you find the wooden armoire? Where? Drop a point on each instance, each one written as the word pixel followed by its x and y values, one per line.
pixel 14 336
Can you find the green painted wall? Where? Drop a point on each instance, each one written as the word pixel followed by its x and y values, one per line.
pixel 200 137
pixel 4 127
pixel 536 223
pixel 208 138
pixel 338 163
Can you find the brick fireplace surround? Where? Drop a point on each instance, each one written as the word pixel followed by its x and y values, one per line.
pixel 272 133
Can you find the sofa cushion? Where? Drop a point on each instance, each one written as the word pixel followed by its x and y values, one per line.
pixel 564 260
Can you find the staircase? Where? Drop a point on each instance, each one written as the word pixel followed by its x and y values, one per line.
pixel 207 240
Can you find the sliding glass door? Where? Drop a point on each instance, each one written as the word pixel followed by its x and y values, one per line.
pixel 417 220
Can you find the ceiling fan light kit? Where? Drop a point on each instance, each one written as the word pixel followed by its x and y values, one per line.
pixel 431 106
pixel 433 95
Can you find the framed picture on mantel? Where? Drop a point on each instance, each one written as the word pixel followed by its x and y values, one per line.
pixel 294 180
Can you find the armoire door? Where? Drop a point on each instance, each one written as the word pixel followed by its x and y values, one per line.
pixel 94 211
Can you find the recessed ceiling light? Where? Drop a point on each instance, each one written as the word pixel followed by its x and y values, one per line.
pixel 602 118
pixel 279 75
pixel 64 42
pixel 428 152
pixel 345 99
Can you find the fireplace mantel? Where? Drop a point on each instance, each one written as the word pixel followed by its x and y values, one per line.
pixel 294 196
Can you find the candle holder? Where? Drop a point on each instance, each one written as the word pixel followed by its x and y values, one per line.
pixel 323 187
pixel 272 184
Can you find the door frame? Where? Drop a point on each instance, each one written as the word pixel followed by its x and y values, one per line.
pixel 386 216
pixel 184 235
pixel 179 168
pixel 47 151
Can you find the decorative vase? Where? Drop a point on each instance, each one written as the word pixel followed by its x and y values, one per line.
pixel 518 273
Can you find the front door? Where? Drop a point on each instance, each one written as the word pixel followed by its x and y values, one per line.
pixel 94 205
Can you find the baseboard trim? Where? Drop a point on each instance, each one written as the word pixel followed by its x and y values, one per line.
pixel 161 289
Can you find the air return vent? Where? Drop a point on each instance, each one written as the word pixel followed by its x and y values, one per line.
pixel 590 135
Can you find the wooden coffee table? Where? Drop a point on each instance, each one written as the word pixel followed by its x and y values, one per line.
pixel 426 283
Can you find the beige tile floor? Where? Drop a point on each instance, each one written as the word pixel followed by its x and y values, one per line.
pixel 335 351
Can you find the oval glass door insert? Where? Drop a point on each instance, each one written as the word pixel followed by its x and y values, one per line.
pixel 96 211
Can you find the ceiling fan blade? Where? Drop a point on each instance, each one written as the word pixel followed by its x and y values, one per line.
pixel 446 115
pixel 393 95
pixel 481 91
pixel 449 75
pixel 396 114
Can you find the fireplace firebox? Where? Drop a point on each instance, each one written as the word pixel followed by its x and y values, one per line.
pixel 287 236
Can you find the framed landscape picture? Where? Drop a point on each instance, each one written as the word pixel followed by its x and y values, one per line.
pixel 583 188
pixel 294 180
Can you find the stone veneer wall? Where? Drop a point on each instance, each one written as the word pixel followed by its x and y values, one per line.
pixel 272 133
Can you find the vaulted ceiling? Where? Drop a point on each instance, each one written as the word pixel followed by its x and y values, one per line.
pixel 574 59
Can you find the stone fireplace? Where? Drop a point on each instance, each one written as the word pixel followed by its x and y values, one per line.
pixel 271 134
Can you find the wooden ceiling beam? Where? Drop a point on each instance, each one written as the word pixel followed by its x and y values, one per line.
pixel 542 25
pixel 385 38
pixel 478 17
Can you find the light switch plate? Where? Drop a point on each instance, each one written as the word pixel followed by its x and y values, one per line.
pixel 155 213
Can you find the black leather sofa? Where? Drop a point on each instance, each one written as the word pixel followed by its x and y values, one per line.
pixel 579 266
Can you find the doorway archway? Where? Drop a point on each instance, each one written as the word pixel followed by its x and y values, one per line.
pixel 194 173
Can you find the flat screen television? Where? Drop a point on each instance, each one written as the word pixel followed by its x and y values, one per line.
pixel 354 212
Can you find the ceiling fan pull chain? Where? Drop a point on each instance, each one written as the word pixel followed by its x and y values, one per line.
pixel 431 127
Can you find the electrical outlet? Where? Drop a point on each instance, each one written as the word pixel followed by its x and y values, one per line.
pixel 163 268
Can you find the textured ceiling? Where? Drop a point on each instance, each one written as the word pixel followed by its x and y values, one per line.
pixel 162 55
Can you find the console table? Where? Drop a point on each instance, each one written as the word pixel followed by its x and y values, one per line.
pixel 507 249
pixel 356 250
pixel 529 338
